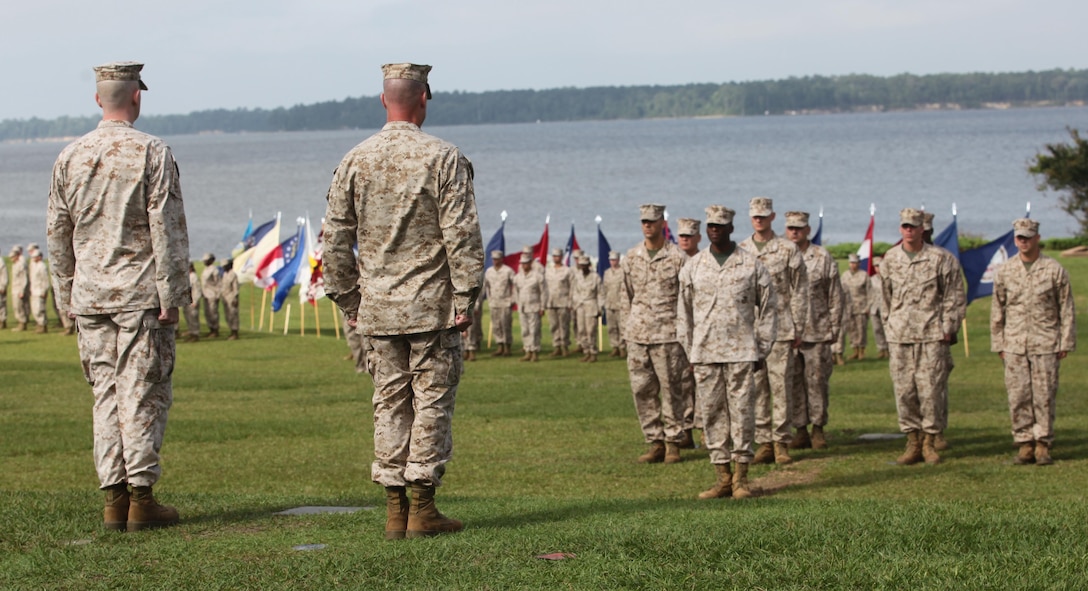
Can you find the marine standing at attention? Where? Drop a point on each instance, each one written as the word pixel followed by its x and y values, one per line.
pixel 939 441
pixel 20 289
pixel 210 279
pixel 38 273
pixel 655 359
pixel 726 322
pixel 406 197
pixel 921 315
pixel 687 238
pixel 588 299
pixel 876 309
pixel 229 292
pixel 1033 326
pixel 614 302
pixel 855 284
pixel 192 311
pixel 531 294
pixel 120 252
pixel 558 277
pixel 4 293
pixel 499 290
pixel 774 390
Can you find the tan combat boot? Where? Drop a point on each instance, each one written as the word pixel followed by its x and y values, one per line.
pixel 42 329
pixel 1026 455
pixel 913 453
pixel 20 328
pixel 557 352
pixel 765 454
pixel 740 482
pixel 801 440
pixel 781 454
pixel 839 360
pixel 687 439
pixel 470 356
pixel 423 517
pixel 591 358
pixel 1042 454
pixel 623 352
pixel 818 439
pixel 882 355
pixel 655 454
pixel 233 336
pixel 615 352
pixel 213 334
pixel 861 353
pixel 144 512
pixel 115 515
pixel 396 512
pixel 928 451
pixel 528 356
pixel 723 487
pixel 672 452
pixel 939 442
pixel 534 357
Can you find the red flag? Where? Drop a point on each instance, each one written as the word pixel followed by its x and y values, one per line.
pixel 865 252
pixel 540 252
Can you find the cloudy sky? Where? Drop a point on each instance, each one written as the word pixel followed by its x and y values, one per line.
pixel 204 54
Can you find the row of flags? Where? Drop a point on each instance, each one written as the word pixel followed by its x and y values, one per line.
pixel 262 259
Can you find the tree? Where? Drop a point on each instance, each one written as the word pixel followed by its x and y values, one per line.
pixel 1065 170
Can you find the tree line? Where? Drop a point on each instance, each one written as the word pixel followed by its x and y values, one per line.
pixel 809 94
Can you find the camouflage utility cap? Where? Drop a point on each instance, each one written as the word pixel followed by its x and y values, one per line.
pixel 796 219
pixel 406 71
pixel 613 256
pixel 1026 228
pixel 927 221
pixel 557 252
pixel 497 254
pixel 760 207
pixel 124 71
pixel 651 212
pixel 852 258
pixel 526 258
pixel 911 217
pixel 720 215
pixel 687 227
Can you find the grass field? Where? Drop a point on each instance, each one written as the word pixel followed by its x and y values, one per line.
pixel 544 463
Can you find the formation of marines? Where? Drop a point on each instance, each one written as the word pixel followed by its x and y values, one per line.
pixel 736 339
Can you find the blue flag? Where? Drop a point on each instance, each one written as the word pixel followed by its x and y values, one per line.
pixel 497 242
pixel 949 238
pixel 285 277
pixel 818 237
pixel 603 249
pixel 980 264
pixel 254 235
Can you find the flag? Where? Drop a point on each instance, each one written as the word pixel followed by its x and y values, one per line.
pixel 306 264
pixel 603 249
pixel 316 288
pixel 540 251
pixel 668 232
pixel 980 264
pixel 949 238
pixel 241 246
pixel 260 242
pixel 265 275
pixel 572 245
pixel 818 237
pixel 497 242
pixel 865 251
pixel 287 276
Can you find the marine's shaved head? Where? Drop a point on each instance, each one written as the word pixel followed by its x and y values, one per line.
pixel 402 91
pixel 116 94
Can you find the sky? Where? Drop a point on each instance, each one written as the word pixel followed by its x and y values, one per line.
pixel 209 54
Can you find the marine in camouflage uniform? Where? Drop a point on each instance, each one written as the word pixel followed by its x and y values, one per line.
pixel 4 292
pixel 876 309
pixel 726 323
pixel 192 311
pixel 229 292
pixel 687 238
pixel 855 284
pixel 939 441
pixel 823 328
pixel 499 291
pixel 19 289
pixel 38 273
pixel 120 251
pixel 588 299
pixel 655 359
pixel 558 277
pixel 210 280
pixel 921 316
pixel 1033 326
pixel 531 295
pixel 774 393
pixel 614 302
pixel 474 335
pixel 406 198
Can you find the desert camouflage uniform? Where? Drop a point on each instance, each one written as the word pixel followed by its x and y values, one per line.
pixel 120 253
pixel 20 290
pixel 406 198
pixel 474 336
pixel 356 345
pixel 774 393
pixel 876 312
pixel 588 299
pixel 920 302
pixel 559 278
pixel 822 328
pixel 615 305
pixel 532 293
pixel 229 292
pixel 726 322
pixel 655 359
pixel 960 308
pixel 855 284
pixel 499 290
pixel 210 285
pixel 192 311
pixel 39 291
pixel 3 291
pixel 1032 319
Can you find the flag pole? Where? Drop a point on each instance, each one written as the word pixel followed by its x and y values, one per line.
pixel 317 318
pixel 252 307
pixel 264 296
pixel 301 319
pixel 286 319
pixel 966 346
pixel 335 318
pixel 600 334
pixel 271 319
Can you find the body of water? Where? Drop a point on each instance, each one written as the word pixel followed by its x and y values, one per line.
pixel 575 172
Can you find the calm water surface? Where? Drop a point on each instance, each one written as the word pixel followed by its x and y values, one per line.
pixel 577 171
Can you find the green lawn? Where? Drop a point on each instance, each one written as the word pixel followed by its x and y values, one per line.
pixel 544 462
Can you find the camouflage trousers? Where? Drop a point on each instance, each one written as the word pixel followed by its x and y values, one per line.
pixel 530 331
pixel 857 328
pixel 192 318
pixel 920 374
pixel 21 307
pixel 774 395
pixel 128 359
pixel 811 375
pixel 614 316
pixel 559 321
pixel 475 333
pixel 230 310
pixel 3 303
pixel 38 306
pixel 356 346
pixel 1032 384
pixel 878 332
pixel 656 371
pixel 693 417
pixel 415 386
pixel 587 328
pixel 211 313
pixel 726 395
pixel 502 330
